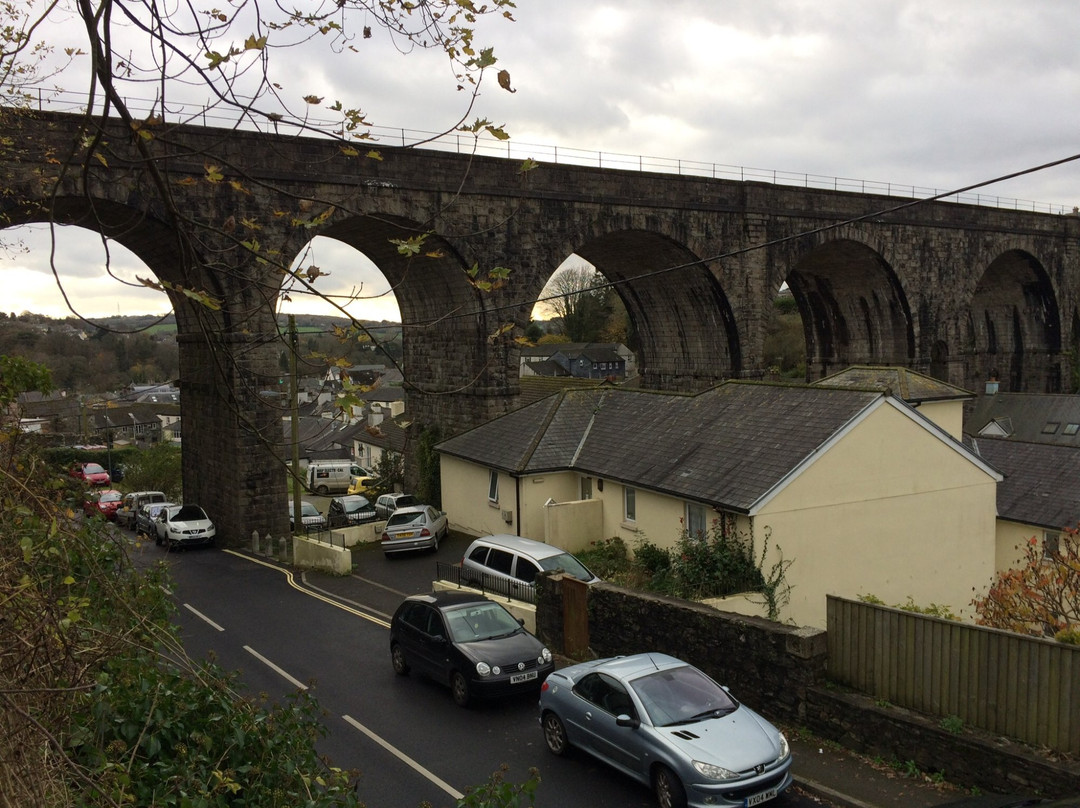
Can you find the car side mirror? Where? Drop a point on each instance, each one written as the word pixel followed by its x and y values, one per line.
pixel 623 720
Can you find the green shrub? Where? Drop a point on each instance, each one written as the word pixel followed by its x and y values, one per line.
pixel 651 558
pixel 1068 636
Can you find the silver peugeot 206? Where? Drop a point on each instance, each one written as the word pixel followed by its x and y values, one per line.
pixel 669 726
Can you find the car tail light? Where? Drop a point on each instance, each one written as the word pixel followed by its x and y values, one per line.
pixel 425 532
pixel 384 537
pixel 544 686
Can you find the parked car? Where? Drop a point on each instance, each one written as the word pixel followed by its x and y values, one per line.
pixel 310 517
pixel 359 485
pixel 184 526
pixel 102 503
pixel 417 527
pixel 92 473
pixel 129 507
pixel 349 510
pixel 516 561
pixel 669 726
pixel 468 642
pixel 146 518
pixel 386 504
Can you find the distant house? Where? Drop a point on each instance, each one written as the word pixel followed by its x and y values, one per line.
pixel 1039 495
pixel 863 493
pixel 591 360
pixel 1030 417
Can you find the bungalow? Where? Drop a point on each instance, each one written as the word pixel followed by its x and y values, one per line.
pixel 861 492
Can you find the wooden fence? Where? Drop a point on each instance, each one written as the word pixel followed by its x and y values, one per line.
pixel 1024 688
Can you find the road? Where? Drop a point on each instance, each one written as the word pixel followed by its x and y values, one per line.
pixel 282 630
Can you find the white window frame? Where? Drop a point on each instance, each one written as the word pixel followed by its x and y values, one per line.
pixel 493 486
pixel 586 488
pixel 629 504
pixel 694 509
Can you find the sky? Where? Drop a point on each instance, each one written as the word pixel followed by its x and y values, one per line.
pixel 927 94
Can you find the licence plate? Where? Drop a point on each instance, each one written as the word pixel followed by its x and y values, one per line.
pixel 407 535
pixel 764 796
pixel 525 677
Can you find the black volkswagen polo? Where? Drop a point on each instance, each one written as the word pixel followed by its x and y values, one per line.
pixel 468 642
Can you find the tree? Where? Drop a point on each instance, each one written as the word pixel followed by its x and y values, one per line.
pixel 581 300
pixel 1042 597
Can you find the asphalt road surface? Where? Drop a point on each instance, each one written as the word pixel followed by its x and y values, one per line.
pixel 282 631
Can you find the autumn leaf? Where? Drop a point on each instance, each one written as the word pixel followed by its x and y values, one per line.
pixel 504 81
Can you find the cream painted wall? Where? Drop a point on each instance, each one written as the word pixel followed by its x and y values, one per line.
pixel 465 498
pixel 889 511
pixel 949 415
pixel 535 492
pixel 1011 538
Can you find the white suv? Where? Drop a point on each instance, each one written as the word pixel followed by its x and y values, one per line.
pixel 517 560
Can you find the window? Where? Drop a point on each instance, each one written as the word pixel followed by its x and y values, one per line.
pixel 1071 429
pixel 493 486
pixel 695 520
pixel 630 504
pixel 586 487
pixel 1051 544
pixel 1051 427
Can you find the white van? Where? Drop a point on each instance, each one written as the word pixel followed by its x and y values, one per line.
pixel 326 477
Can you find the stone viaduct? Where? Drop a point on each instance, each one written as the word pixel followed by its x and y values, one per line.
pixel 960 292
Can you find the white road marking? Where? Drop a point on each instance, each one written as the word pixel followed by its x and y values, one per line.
pixel 453 792
pixel 202 616
pixel 275 668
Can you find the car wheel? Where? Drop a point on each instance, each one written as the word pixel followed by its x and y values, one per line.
pixel 668 789
pixel 459 688
pixel 322 490
pixel 435 543
pixel 397 657
pixel 555 734
pixel 157 539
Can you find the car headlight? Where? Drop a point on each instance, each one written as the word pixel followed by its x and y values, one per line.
pixel 545 657
pixel 785 749
pixel 715 772
pixel 483 668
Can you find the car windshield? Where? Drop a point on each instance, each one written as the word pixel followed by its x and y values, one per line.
pixel 354 505
pixel 407 518
pixel 110 496
pixel 403 502
pixel 189 513
pixel 682 696
pixel 307 509
pixel 480 621
pixel 93 468
pixel 568 564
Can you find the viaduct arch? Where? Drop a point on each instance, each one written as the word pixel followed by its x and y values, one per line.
pixel 958 291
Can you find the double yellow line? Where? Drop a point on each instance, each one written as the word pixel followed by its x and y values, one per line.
pixel 310 593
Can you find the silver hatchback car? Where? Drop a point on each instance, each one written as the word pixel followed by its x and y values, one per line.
pixel 417 527
pixel 669 726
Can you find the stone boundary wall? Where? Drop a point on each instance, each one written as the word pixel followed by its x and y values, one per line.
pixel 969 758
pixel 781 671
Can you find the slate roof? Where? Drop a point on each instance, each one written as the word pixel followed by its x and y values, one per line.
pixel 1041 484
pixel 1028 417
pixel 534 388
pixel 728 446
pixel 904 383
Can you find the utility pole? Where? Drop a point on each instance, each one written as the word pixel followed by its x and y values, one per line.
pixel 294 420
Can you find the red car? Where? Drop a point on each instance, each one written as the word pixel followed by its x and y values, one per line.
pixel 103 503
pixel 91 473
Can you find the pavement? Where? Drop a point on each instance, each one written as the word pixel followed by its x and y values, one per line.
pixel 838 776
